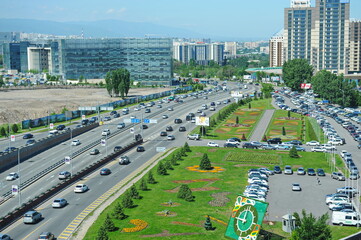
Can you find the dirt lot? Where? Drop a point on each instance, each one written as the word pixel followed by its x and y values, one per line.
pixel 19 105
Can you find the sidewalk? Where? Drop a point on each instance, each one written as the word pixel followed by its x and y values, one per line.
pixel 262 125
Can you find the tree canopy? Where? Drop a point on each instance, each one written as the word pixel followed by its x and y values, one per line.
pixel 295 72
pixel 118 82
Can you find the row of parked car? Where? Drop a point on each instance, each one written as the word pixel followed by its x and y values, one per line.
pixel 258 186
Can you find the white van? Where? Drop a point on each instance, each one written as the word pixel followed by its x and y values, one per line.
pixel 52 133
pixel 346 218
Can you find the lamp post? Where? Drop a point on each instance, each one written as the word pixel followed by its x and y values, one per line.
pixel 19 181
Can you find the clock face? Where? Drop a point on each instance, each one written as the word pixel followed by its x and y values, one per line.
pixel 246 220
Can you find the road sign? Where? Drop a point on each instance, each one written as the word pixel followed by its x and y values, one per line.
pixel 82 117
pixel 153 121
pixel 127 120
pixel 106 108
pixel 135 120
pixel 160 149
pixel 202 121
pixel 306 85
pixel 146 120
pixel 103 142
pixel 15 189
pixel 132 130
pixel 87 108
pixel 51 125
pixel 67 160
pixel 12 138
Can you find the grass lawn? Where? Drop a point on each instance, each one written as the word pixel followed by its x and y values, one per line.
pixel 215 193
pixel 292 125
pixel 247 120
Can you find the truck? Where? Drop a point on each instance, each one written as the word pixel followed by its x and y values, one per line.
pixel 194 137
pixel 346 218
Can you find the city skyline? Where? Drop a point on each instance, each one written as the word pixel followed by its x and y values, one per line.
pixel 258 19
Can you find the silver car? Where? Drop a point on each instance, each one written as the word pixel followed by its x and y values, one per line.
pixel 59 203
pixel 32 217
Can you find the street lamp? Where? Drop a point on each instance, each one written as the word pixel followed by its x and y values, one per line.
pixel 19 182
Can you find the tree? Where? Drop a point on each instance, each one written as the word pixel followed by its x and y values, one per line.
pixel 186 147
pixel 161 169
pixel 249 105
pixel 108 224
pixel 202 130
pixel 118 82
pixel 293 152
pixel 15 128
pixel 118 212
pixel 168 165
pixel 295 72
pixel 185 193
pixel 289 114
pixel 208 225
pixel 237 120
pixel 205 163
pixel 283 131
pixel 243 137
pixel 102 234
pixel 2 131
pixel 127 201
pixel 310 228
pixel 134 192
pixel 151 179
pixel 264 139
pixel 143 185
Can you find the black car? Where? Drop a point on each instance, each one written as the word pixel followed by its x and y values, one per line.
pixel 140 149
pixel 143 126
pixel 295 142
pixel 230 145
pixel 116 115
pixel 235 139
pixel 249 145
pixel 311 172
pixel 84 122
pixel 28 136
pixel 147 110
pixel 163 134
pixel 169 128
pixel 117 148
pixel 60 127
pixel 320 172
pixel 277 169
pixel 113 112
pixel 105 171
pixel 274 141
pixel 182 129
pixel 94 151
pixel 177 120
pixel 10 149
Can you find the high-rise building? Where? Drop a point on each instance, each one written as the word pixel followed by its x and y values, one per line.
pixel 319 34
pixel 148 60
pixel 276 50
pixel 355 47
pixel 200 52
pixel 230 49
pixel 8 37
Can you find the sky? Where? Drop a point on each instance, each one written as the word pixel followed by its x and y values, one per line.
pixel 227 18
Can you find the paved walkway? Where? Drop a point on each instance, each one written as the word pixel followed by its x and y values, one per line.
pixel 262 125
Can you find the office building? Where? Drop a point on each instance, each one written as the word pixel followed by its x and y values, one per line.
pixel 276 50
pixel 355 47
pixel 148 60
pixel 230 49
pixel 8 37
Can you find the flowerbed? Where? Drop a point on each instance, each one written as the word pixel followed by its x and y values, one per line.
pixel 237 125
pixel 195 168
pixel 197 180
pixel 139 226
pixel 252 157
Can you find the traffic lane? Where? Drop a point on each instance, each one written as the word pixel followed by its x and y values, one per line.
pixel 282 200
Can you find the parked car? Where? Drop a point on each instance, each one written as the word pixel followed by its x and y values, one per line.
pixel 301 171
pixel 320 172
pixel 46 235
pixel 232 141
pixel 94 151
pixel 105 171
pixel 64 175
pixel 288 170
pixel 296 187
pixel 249 145
pixel 347 189
pixel 59 203
pixel 32 217
pixel 318 149
pixel 312 143
pixel 274 141
pixel 4 237
pixel 80 188
pixel 212 144
pixel 338 176
pixel 300 149
pixel 229 145
pixel 311 172
pixel 277 169
pixel 294 142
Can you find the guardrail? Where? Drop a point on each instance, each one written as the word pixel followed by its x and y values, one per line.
pixel 33 203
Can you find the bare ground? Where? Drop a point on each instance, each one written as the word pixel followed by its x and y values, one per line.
pixel 19 105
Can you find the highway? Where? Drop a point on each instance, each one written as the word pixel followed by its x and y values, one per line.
pixel 55 220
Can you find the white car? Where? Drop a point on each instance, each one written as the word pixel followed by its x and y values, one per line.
pixel 212 144
pixel 136 109
pixel 318 149
pixel 59 203
pixel 106 132
pixel 296 187
pixel 165 116
pixel 335 142
pixel 312 143
pixel 328 147
pixel 75 143
pixel 232 141
pixel 80 188
pixel 170 137
pixel 337 200
pixel 12 176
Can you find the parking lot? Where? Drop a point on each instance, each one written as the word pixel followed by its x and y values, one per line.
pixel 282 200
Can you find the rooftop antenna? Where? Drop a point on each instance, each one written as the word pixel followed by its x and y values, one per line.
pixel 82 33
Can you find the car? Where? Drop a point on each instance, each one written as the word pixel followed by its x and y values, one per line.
pixel 12 176
pixel 107 118
pixel 299 148
pixel 169 128
pixel 296 187
pixel 94 151
pixel 318 149
pixel 288 170
pixel 312 143
pixel 112 113
pixel 105 171
pixel 59 203
pixel 147 110
pixel 140 149
pixel 338 176
pixel 123 160
pixel 274 141
pixel 121 125
pixel 268 147
pixel 80 188
pixel 341 206
pixel 354 176
pixel 268 171
pixel 301 171
pixel 64 175
pixel 32 217
pixel 30 142
pixel 282 147
pixel 177 120
pixel 170 109
pixel 117 148
pixel 163 134
pixel 294 142
pixel 60 127
pixel 277 169
pixel 84 122
pixel 143 126
pixel 232 141
pixel 137 109
pixel 328 147
pixel 46 235
pixel 75 142
pixel 311 172
pixel 212 144
pixel 257 144
pixel 4 237
pixel 347 189
pixel 249 145
pixel 10 149
pixel 159 106
pixel 170 137
pixel 229 145
pixel 336 199
pixel 165 116
pixel 182 129
pixel 320 172
pixel 28 136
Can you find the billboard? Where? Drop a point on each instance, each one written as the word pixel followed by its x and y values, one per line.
pixel 247 216
pixel 202 121
pixel 236 94
pixel 306 86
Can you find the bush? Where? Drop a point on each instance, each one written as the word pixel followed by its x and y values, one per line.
pixel 186 147
pixel 205 163
pixel 127 201
pixel 283 131
pixel 293 152
pixel 15 128
pixel 243 137
pixel 109 225
pixel 118 212
pixel 143 185
pixel 161 169
pixel 102 234
pixel 168 165
pixel 185 193
pixel 151 179
pixel 133 192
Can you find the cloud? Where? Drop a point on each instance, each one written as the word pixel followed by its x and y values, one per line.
pixel 116 11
